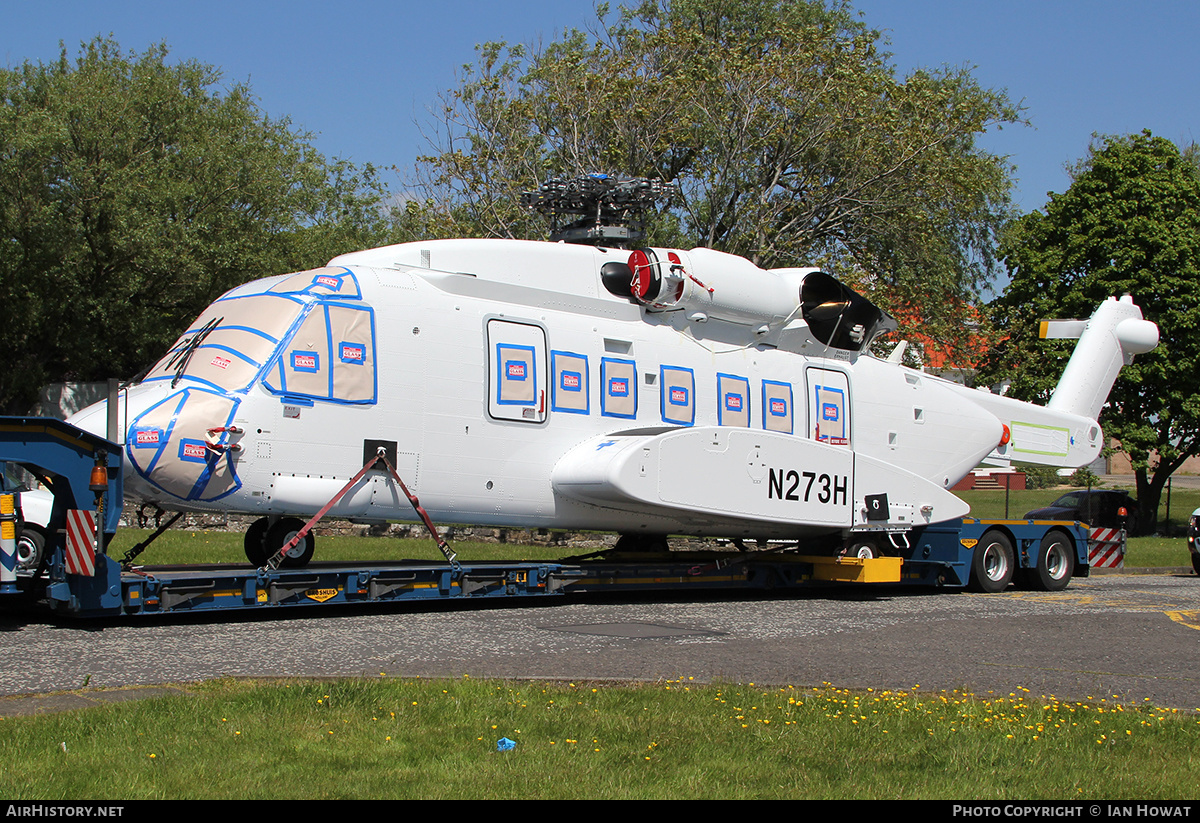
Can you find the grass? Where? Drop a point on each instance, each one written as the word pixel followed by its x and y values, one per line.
pixel 406 738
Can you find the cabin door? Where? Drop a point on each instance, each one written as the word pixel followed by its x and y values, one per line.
pixel 828 406
pixel 516 371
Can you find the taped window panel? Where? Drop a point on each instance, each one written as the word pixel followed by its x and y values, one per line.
pixel 569 383
pixel 352 360
pixel 168 445
pixel 516 378
pixel 829 409
pixel 678 400
pixel 733 400
pixel 242 335
pixel 306 358
pixel 330 356
pixel 777 407
pixel 618 391
pixel 831 415
pixel 332 281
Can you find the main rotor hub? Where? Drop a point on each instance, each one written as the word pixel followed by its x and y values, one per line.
pixel 598 209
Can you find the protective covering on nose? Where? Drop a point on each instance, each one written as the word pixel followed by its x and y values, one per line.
pixel 175 446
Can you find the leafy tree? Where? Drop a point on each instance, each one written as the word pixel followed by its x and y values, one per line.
pixel 132 192
pixel 1129 223
pixel 792 138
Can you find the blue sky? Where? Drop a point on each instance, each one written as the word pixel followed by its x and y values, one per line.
pixel 360 74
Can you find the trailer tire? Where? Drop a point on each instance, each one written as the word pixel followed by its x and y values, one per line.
pixel 992 563
pixel 1055 563
pixel 31 545
pixel 256 542
pixel 281 533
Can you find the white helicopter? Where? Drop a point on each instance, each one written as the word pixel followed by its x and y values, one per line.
pixel 580 385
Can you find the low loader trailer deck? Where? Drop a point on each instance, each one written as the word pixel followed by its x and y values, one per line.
pixel 76 577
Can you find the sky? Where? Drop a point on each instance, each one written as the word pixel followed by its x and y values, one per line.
pixel 362 75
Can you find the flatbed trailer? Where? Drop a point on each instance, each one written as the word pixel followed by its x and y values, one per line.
pixel 986 555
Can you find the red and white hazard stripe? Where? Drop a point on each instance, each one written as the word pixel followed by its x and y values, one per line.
pixel 1106 549
pixel 81 542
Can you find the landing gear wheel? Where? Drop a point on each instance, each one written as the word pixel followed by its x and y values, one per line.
pixel 31 545
pixel 1196 563
pixel 282 533
pixel 1055 563
pixel 255 541
pixel 863 550
pixel 992 563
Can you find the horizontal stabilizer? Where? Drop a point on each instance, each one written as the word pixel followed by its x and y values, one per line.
pixel 1061 329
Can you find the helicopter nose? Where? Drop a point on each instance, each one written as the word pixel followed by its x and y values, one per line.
pixel 186 444
pixel 182 442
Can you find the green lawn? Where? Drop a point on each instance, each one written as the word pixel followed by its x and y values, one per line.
pixel 437 739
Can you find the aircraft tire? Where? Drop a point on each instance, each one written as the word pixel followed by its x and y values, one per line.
pixel 1055 563
pixel 31 545
pixel 1196 563
pixel 864 550
pixel 255 542
pixel 992 563
pixel 281 533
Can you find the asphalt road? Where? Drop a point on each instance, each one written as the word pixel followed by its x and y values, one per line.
pixel 1128 637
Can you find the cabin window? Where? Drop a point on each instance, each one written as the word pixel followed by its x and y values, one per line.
pixel 569 383
pixel 777 406
pixel 733 400
pixel 829 406
pixel 618 392
pixel 678 395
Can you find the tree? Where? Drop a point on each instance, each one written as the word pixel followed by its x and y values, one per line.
pixel 783 121
pixel 1129 223
pixel 133 192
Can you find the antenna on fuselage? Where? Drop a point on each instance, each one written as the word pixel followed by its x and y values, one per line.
pixel 598 209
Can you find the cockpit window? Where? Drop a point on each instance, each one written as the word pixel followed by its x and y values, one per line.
pixel 330 356
pixel 229 344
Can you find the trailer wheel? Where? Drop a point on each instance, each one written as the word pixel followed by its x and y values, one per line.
pixel 31 545
pixel 255 542
pixel 282 533
pixel 992 563
pixel 1055 563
